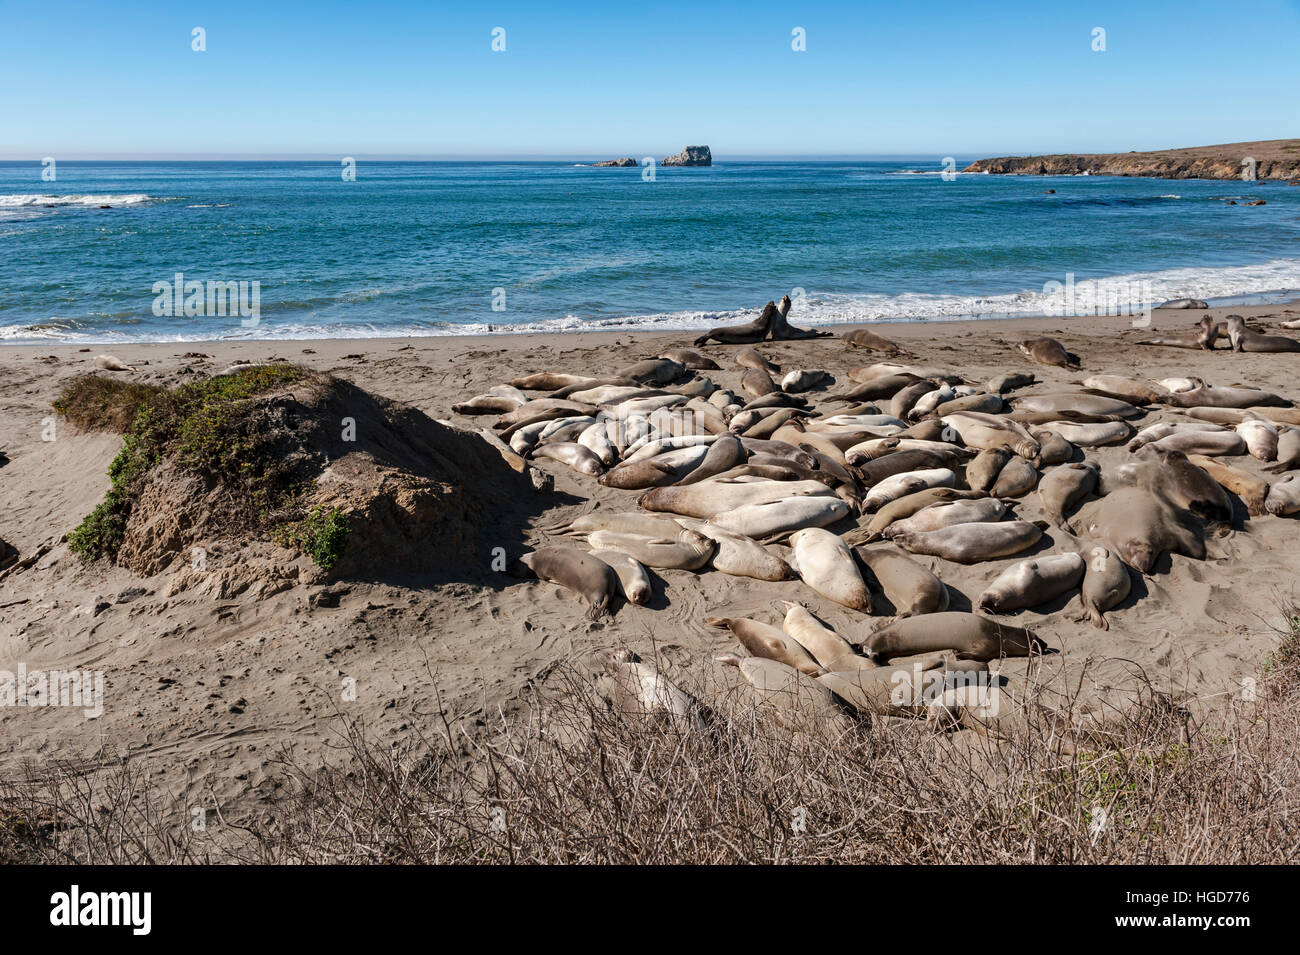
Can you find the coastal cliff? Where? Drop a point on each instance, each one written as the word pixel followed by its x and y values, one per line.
pixel 1274 159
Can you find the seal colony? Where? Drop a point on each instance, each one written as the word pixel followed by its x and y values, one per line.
pixel 869 492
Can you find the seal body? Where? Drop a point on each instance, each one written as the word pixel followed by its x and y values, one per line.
pixel 968 635
pixel 589 577
pixel 1032 582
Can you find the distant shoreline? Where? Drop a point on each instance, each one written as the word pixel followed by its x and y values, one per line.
pixel 1273 160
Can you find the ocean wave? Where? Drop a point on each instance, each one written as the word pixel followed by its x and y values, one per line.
pixel 27 200
pixel 1276 280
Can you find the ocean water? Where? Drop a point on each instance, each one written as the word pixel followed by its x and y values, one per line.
pixel 451 248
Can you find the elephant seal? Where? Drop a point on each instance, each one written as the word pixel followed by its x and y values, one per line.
pixel 1053 448
pixel 906 584
pixel 690 358
pixel 710 498
pixel 764 640
pixel 632 577
pixel 982 473
pixel 823 561
pixel 723 455
pixel 1064 487
pixel 1009 381
pixel 486 404
pixel 874 471
pixel 1077 402
pixel 629 522
pixel 552 381
pixel 738 555
pixel 906 506
pixel 1202 442
pixel 1032 582
pixel 1243 339
pixel 969 636
pixel 782 330
pixel 746 334
pixel 906 399
pixel 1139 526
pixel 1283 497
pixel 1228 396
pixel 1175 477
pixel 1106 583
pixel 1133 390
pixel 589 577
pixel 983 401
pixel 1252 490
pixel 757 383
pixel 803 379
pixel 658 371
pixel 827 647
pixel 112 363
pixel 986 431
pixel 1048 351
pixel 789 697
pixel 1017 478
pixel 685 550
pixel 1260 436
pixel 1206 334
pixel 1091 435
pixel 640 690
pixel 1164 429
pixel 1183 303
pixel 572 454
pixel 753 358
pixel 864 338
pixel 974 542
pixel 948 514
pixel 909 482
pixel 1288 450
pixel 771 519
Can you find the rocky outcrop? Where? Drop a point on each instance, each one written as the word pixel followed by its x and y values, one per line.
pixel 619 163
pixel 690 156
pixel 1277 159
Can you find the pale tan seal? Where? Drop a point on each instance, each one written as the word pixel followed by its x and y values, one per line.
pixel 1244 339
pixel 685 550
pixel 573 455
pixel 690 358
pixel 715 496
pixel 906 584
pixel 1048 351
pixel 971 543
pixel 1176 478
pixel 1062 489
pixel 640 690
pixel 1288 450
pixel 904 507
pixel 757 383
pixel 771 519
pixel 909 482
pixel 753 358
pixel 1260 436
pixel 1078 402
pixel 1204 337
pixel 1106 583
pixel 827 647
pixel 1284 496
pixel 791 698
pixel 969 636
pixel 948 513
pixel 589 577
pixel 865 338
pixel 1227 396
pixel 764 640
pixel 982 473
pixel 1053 448
pixel 1017 478
pixel 1252 491
pixel 633 579
pixel 1032 582
pixel 738 555
pixel 823 561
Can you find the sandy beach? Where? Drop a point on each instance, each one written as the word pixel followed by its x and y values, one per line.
pixel 206 691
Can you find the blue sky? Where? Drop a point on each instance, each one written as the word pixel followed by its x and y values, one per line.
pixel 613 78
